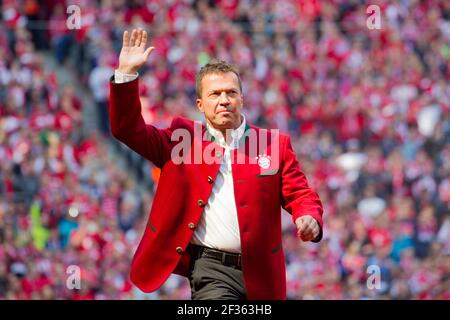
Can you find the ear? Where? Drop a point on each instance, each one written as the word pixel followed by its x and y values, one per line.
pixel 200 105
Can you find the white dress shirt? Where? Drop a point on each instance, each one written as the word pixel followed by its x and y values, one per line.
pixel 218 226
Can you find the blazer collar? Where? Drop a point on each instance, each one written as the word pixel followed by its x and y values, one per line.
pixel 237 134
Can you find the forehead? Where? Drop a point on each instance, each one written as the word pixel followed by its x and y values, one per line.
pixel 220 81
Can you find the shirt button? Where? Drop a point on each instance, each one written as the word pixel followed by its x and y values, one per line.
pixel 201 203
pixel 218 154
pixel 210 180
pixel 191 226
pixel 179 250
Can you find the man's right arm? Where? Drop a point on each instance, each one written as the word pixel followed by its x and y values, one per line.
pixel 127 123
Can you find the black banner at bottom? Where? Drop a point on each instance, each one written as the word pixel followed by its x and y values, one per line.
pixel 198 310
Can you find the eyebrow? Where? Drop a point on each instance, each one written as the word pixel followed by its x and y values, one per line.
pixel 220 90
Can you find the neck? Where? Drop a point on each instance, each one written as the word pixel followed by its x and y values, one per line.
pixel 226 132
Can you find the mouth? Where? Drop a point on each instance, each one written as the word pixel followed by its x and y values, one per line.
pixel 224 112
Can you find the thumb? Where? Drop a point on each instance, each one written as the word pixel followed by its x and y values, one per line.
pixel 147 52
pixel 301 225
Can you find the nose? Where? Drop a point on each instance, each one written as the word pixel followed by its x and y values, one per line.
pixel 224 99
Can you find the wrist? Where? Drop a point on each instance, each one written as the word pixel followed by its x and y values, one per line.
pixel 126 70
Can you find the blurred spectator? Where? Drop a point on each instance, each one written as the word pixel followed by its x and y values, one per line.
pixel 99 85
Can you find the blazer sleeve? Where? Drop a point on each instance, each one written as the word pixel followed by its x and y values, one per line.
pixel 128 125
pixel 297 197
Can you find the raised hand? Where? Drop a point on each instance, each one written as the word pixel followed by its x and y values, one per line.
pixel 134 54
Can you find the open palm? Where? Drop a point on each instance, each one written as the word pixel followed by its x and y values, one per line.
pixel 134 53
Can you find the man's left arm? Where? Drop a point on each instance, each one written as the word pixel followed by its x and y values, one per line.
pixel 297 197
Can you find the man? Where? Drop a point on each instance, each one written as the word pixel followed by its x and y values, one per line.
pixel 217 222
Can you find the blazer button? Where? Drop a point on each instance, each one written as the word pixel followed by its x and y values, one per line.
pixel 201 203
pixel 179 250
pixel 210 180
pixel 191 226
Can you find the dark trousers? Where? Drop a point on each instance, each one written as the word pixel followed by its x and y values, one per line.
pixel 210 279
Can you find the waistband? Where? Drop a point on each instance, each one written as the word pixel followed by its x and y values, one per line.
pixel 226 258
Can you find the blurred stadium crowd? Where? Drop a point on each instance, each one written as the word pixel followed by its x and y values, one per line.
pixel 368 112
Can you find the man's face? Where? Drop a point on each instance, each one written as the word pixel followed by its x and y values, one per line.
pixel 221 100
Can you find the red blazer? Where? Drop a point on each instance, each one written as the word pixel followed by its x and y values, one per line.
pixel 183 190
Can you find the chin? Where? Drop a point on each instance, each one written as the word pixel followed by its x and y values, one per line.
pixel 224 125
pixel 222 122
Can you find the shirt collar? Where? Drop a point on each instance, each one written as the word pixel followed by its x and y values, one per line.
pixel 236 134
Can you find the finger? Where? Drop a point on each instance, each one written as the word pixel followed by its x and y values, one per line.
pixel 310 234
pixel 125 39
pixel 303 235
pixel 312 224
pixel 307 231
pixel 144 39
pixel 138 38
pixel 303 226
pixel 148 51
pixel 316 232
pixel 133 37
pixel 315 227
